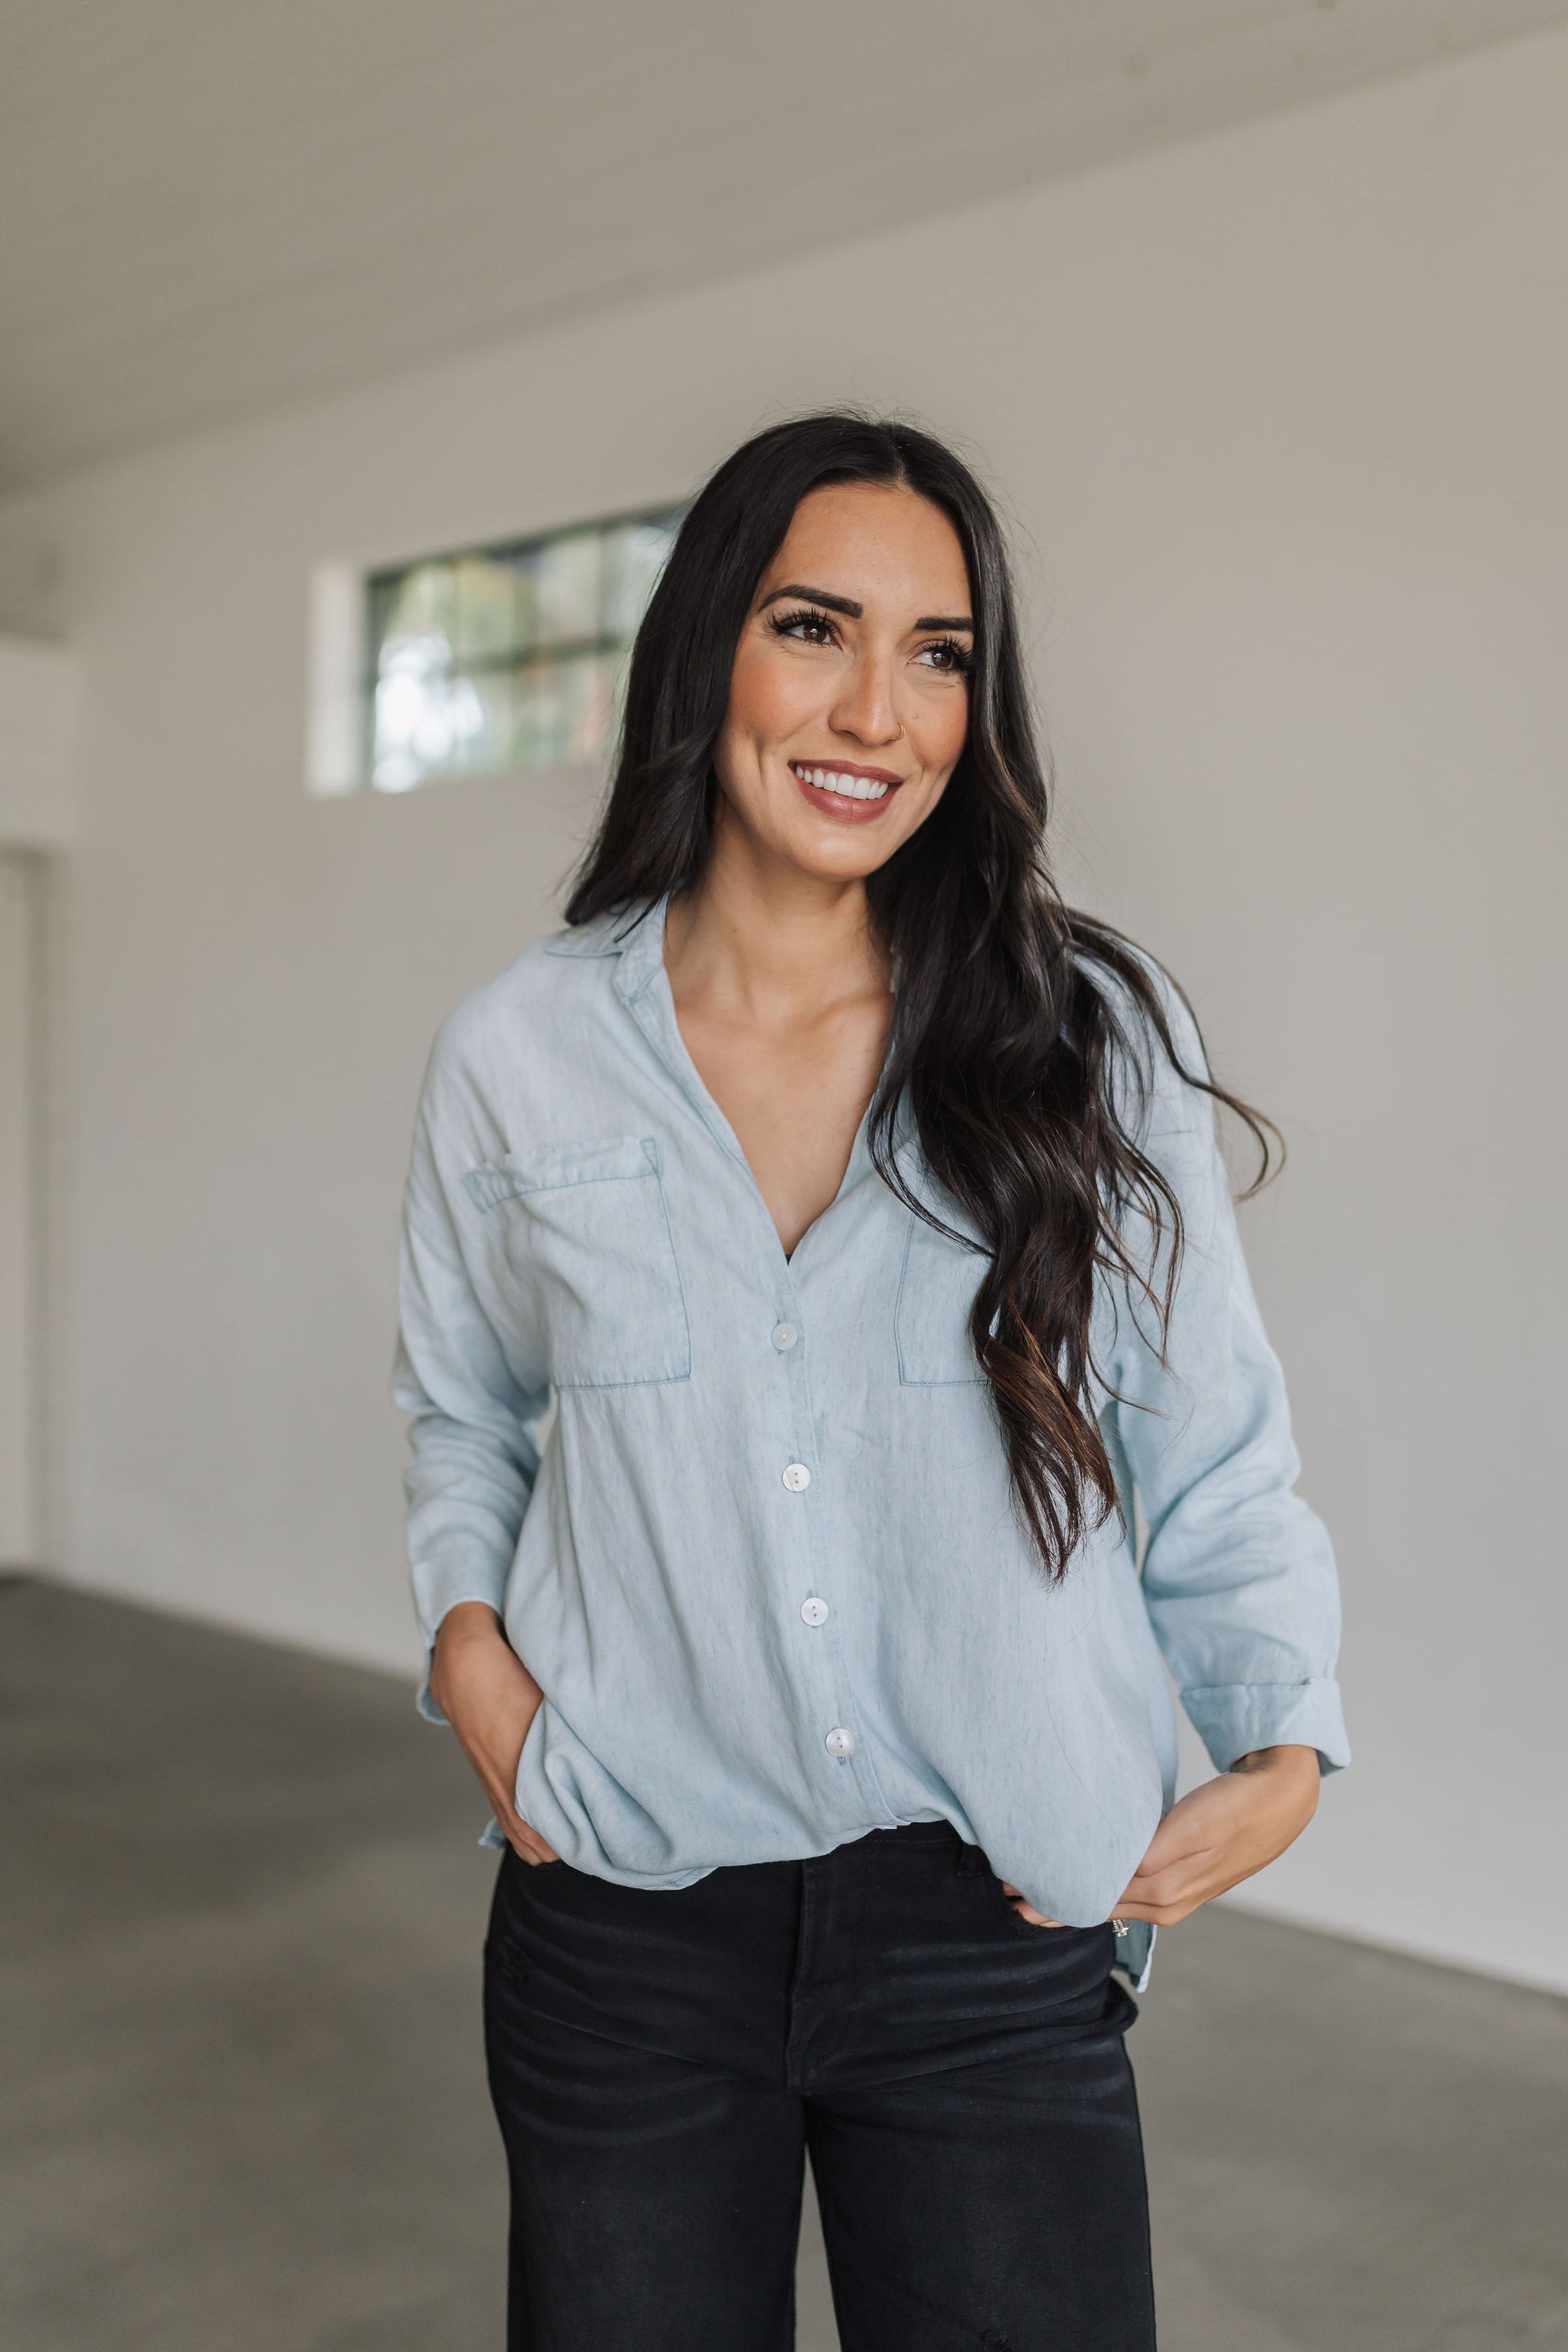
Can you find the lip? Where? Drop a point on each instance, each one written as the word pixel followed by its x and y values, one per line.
pixel 838 804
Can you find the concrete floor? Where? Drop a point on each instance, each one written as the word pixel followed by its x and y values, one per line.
pixel 241 2107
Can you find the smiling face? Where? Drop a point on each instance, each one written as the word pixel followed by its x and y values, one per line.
pixel 849 701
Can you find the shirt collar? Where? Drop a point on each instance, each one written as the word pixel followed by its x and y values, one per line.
pixel 641 949
pixel 635 939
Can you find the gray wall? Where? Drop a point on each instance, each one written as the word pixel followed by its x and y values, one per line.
pixel 1279 414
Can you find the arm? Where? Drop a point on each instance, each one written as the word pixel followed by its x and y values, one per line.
pixel 475 1457
pixel 1238 1577
pixel 490 1698
pixel 1223 1833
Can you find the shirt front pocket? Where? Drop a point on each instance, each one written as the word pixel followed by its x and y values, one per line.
pixel 936 1296
pixel 584 1228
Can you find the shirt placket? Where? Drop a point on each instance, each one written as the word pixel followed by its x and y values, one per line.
pixel 835 1731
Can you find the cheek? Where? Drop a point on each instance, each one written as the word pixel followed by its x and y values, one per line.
pixel 769 698
pixel 938 732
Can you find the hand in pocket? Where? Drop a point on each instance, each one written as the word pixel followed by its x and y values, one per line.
pixel 1027 1911
pixel 490 1698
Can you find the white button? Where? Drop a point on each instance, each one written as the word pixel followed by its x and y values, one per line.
pixel 813 1610
pixel 797 1477
pixel 839 1742
pixel 784 1335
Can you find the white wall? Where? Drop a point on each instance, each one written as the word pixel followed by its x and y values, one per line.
pixel 20 1402
pixel 39 710
pixel 1280 414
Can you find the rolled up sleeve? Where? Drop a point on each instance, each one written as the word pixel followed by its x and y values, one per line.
pixel 1239 1573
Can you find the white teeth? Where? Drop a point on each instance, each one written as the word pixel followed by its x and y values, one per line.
pixel 849 788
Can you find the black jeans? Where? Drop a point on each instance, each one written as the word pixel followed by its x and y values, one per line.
pixel 660 2062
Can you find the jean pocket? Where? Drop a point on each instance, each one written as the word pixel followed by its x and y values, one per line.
pixel 586 1236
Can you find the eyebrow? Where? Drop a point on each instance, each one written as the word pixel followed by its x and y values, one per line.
pixel 853 612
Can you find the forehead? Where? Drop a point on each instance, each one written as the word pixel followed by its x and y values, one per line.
pixel 882 536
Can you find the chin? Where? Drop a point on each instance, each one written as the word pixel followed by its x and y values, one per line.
pixel 840 861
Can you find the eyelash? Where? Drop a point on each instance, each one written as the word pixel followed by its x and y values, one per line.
pixel 786 624
pixel 960 660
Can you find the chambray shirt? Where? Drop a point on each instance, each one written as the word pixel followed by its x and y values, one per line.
pixel 747 1517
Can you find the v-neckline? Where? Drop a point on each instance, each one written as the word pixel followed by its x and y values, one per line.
pixel 676 1056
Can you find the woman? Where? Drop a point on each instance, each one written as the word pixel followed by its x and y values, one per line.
pixel 858 1207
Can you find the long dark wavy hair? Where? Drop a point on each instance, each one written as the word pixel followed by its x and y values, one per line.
pixel 1023 1032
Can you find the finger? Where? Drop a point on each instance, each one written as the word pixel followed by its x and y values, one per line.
pixel 1165 1908
pixel 1174 1903
pixel 1156 1874
pixel 1185 1885
pixel 1174 1840
pixel 1165 1897
pixel 1159 1885
pixel 531 1845
pixel 511 1829
pixel 1026 1910
pixel 524 1842
pixel 1161 1890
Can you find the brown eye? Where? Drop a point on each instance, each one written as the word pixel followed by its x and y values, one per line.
pixel 946 657
pixel 806 627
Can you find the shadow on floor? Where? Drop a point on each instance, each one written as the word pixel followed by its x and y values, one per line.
pixel 243 2108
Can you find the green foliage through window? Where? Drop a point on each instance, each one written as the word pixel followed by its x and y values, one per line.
pixel 507 657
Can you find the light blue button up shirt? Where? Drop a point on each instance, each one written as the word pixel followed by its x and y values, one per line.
pixel 747 1517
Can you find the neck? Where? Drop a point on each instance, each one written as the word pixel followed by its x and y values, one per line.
pixel 768 938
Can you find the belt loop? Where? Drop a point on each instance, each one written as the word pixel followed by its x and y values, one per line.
pixel 971 1860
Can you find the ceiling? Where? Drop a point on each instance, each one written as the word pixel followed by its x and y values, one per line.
pixel 209 207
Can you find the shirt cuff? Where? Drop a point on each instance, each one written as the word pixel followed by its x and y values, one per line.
pixel 1232 1719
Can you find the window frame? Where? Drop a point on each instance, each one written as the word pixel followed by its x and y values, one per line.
pixel 352 604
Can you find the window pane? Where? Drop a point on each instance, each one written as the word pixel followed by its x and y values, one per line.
pixel 489 723
pixel 588 691
pixel 538 734
pixel 484 608
pixel 507 657
pixel 563 710
pixel 426 719
pixel 414 656
pixel 634 555
pixel 421 603
pixel 617 668
pixel 565 575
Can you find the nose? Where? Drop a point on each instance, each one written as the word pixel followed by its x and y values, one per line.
pixel 864 708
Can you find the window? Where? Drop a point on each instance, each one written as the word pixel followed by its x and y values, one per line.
pixel 509 656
